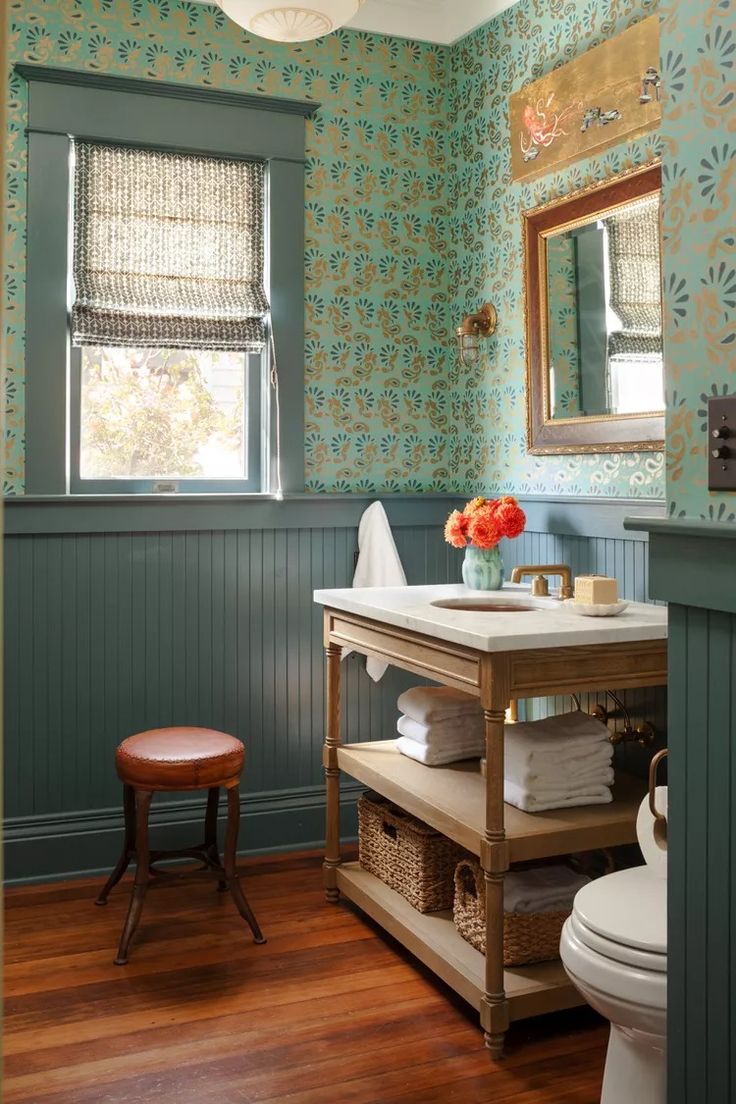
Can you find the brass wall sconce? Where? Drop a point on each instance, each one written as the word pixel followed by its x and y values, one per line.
pixel 481 324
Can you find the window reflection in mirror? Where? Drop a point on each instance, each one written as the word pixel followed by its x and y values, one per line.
pixel 605 315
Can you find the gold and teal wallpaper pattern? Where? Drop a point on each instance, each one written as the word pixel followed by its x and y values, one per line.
pixel 412 219
pixel 699 185
pixel 485 250
pixel 376 294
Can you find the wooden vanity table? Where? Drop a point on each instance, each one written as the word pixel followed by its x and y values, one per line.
pixel 497 656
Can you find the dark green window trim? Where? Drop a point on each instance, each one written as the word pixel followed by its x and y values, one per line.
pixel 116 109
pixel 71 77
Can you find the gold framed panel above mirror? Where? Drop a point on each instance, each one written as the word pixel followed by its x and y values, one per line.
pixel 593 302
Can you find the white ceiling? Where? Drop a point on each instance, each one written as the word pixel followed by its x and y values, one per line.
pixel 426 20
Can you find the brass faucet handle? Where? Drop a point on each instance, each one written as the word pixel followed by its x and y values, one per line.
pixel 540 571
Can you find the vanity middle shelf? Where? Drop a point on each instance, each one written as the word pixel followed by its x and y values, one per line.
pixel 452 800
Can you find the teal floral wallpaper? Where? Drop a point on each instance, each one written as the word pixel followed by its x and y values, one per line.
pixel 699 183
pixel 412 220
pixel 485 249
pixel 376 297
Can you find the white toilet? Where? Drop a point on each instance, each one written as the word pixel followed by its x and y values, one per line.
pixel 614 948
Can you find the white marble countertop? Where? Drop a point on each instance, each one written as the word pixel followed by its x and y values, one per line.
pixel 550 624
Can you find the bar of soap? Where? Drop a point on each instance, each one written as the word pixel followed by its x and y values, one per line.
pixel 596 590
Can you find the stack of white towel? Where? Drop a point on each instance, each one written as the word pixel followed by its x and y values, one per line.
pixel 556 763
pixel 551 764
pixel 439 725
pixel 542 889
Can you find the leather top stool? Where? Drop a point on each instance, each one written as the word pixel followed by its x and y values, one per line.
pixel 178 759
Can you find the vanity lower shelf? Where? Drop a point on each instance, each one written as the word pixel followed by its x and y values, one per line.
pixel 452 800
pixel 434 940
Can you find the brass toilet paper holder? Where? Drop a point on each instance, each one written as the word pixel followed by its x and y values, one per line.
pixel 660 820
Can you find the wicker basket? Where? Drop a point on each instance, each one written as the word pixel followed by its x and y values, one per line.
pixel 407 854
pixel 527 936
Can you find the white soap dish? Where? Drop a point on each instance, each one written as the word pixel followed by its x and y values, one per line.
pixel 586 609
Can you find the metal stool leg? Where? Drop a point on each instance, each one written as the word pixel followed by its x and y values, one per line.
pixel 128 845
pixel 231 843
pixel 142 856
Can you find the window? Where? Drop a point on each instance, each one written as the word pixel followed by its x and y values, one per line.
pixel 153 268
pixel 168 325
pixel 165 415
pixel 634 308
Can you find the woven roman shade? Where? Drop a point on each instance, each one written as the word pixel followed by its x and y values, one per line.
pixel 636 296
pixel 168 250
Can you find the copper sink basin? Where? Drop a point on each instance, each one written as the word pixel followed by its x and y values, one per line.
pixel 482 605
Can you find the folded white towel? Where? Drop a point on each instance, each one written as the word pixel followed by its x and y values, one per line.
pixel 522 799
pixel 599 770
pixel 532 780
pixel 558 737
pixel 379 565
pixel 594 752
pixel 436 757
pixel 541 889
pixel 445 733
pixel 542 789
pixel 434 704
pixel 563 903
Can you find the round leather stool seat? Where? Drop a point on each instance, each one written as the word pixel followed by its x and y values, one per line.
pixel 179 759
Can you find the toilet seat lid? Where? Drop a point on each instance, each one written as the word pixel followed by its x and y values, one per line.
pixel 628 908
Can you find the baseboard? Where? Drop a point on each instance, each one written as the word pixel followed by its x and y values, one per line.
pixel 66 845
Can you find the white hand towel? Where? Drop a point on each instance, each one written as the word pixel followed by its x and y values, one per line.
pixel 542 793
pixel 592 751
pixel 379 565
pixel 444 734
pixel 541 889
pixel 436 757
pixel 589 767
pixel 542 789
pixel 435 704
pixel 563 903
pixel 522 799
pixel 560 737
pixel 537 776
pixel 524 774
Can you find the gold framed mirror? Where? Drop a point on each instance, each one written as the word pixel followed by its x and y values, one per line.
pixel 593 296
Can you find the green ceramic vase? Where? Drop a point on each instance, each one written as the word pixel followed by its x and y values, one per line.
pixel 482 568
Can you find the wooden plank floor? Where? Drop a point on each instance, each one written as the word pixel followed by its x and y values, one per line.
pixel 329 1011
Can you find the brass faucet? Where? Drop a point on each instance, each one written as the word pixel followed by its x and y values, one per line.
pixel 540 582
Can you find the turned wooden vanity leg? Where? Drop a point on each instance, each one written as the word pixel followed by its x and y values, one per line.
pixel 494 859
pixel 333 653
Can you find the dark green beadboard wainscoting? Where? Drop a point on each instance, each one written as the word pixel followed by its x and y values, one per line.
pixel 124 615
pixel 693 567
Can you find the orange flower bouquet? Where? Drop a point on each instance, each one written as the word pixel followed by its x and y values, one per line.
pixel 478 529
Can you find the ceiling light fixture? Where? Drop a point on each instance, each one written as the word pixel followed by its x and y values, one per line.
pixel 290 22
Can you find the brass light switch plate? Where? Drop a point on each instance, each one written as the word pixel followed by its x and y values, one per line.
pixel 722 443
